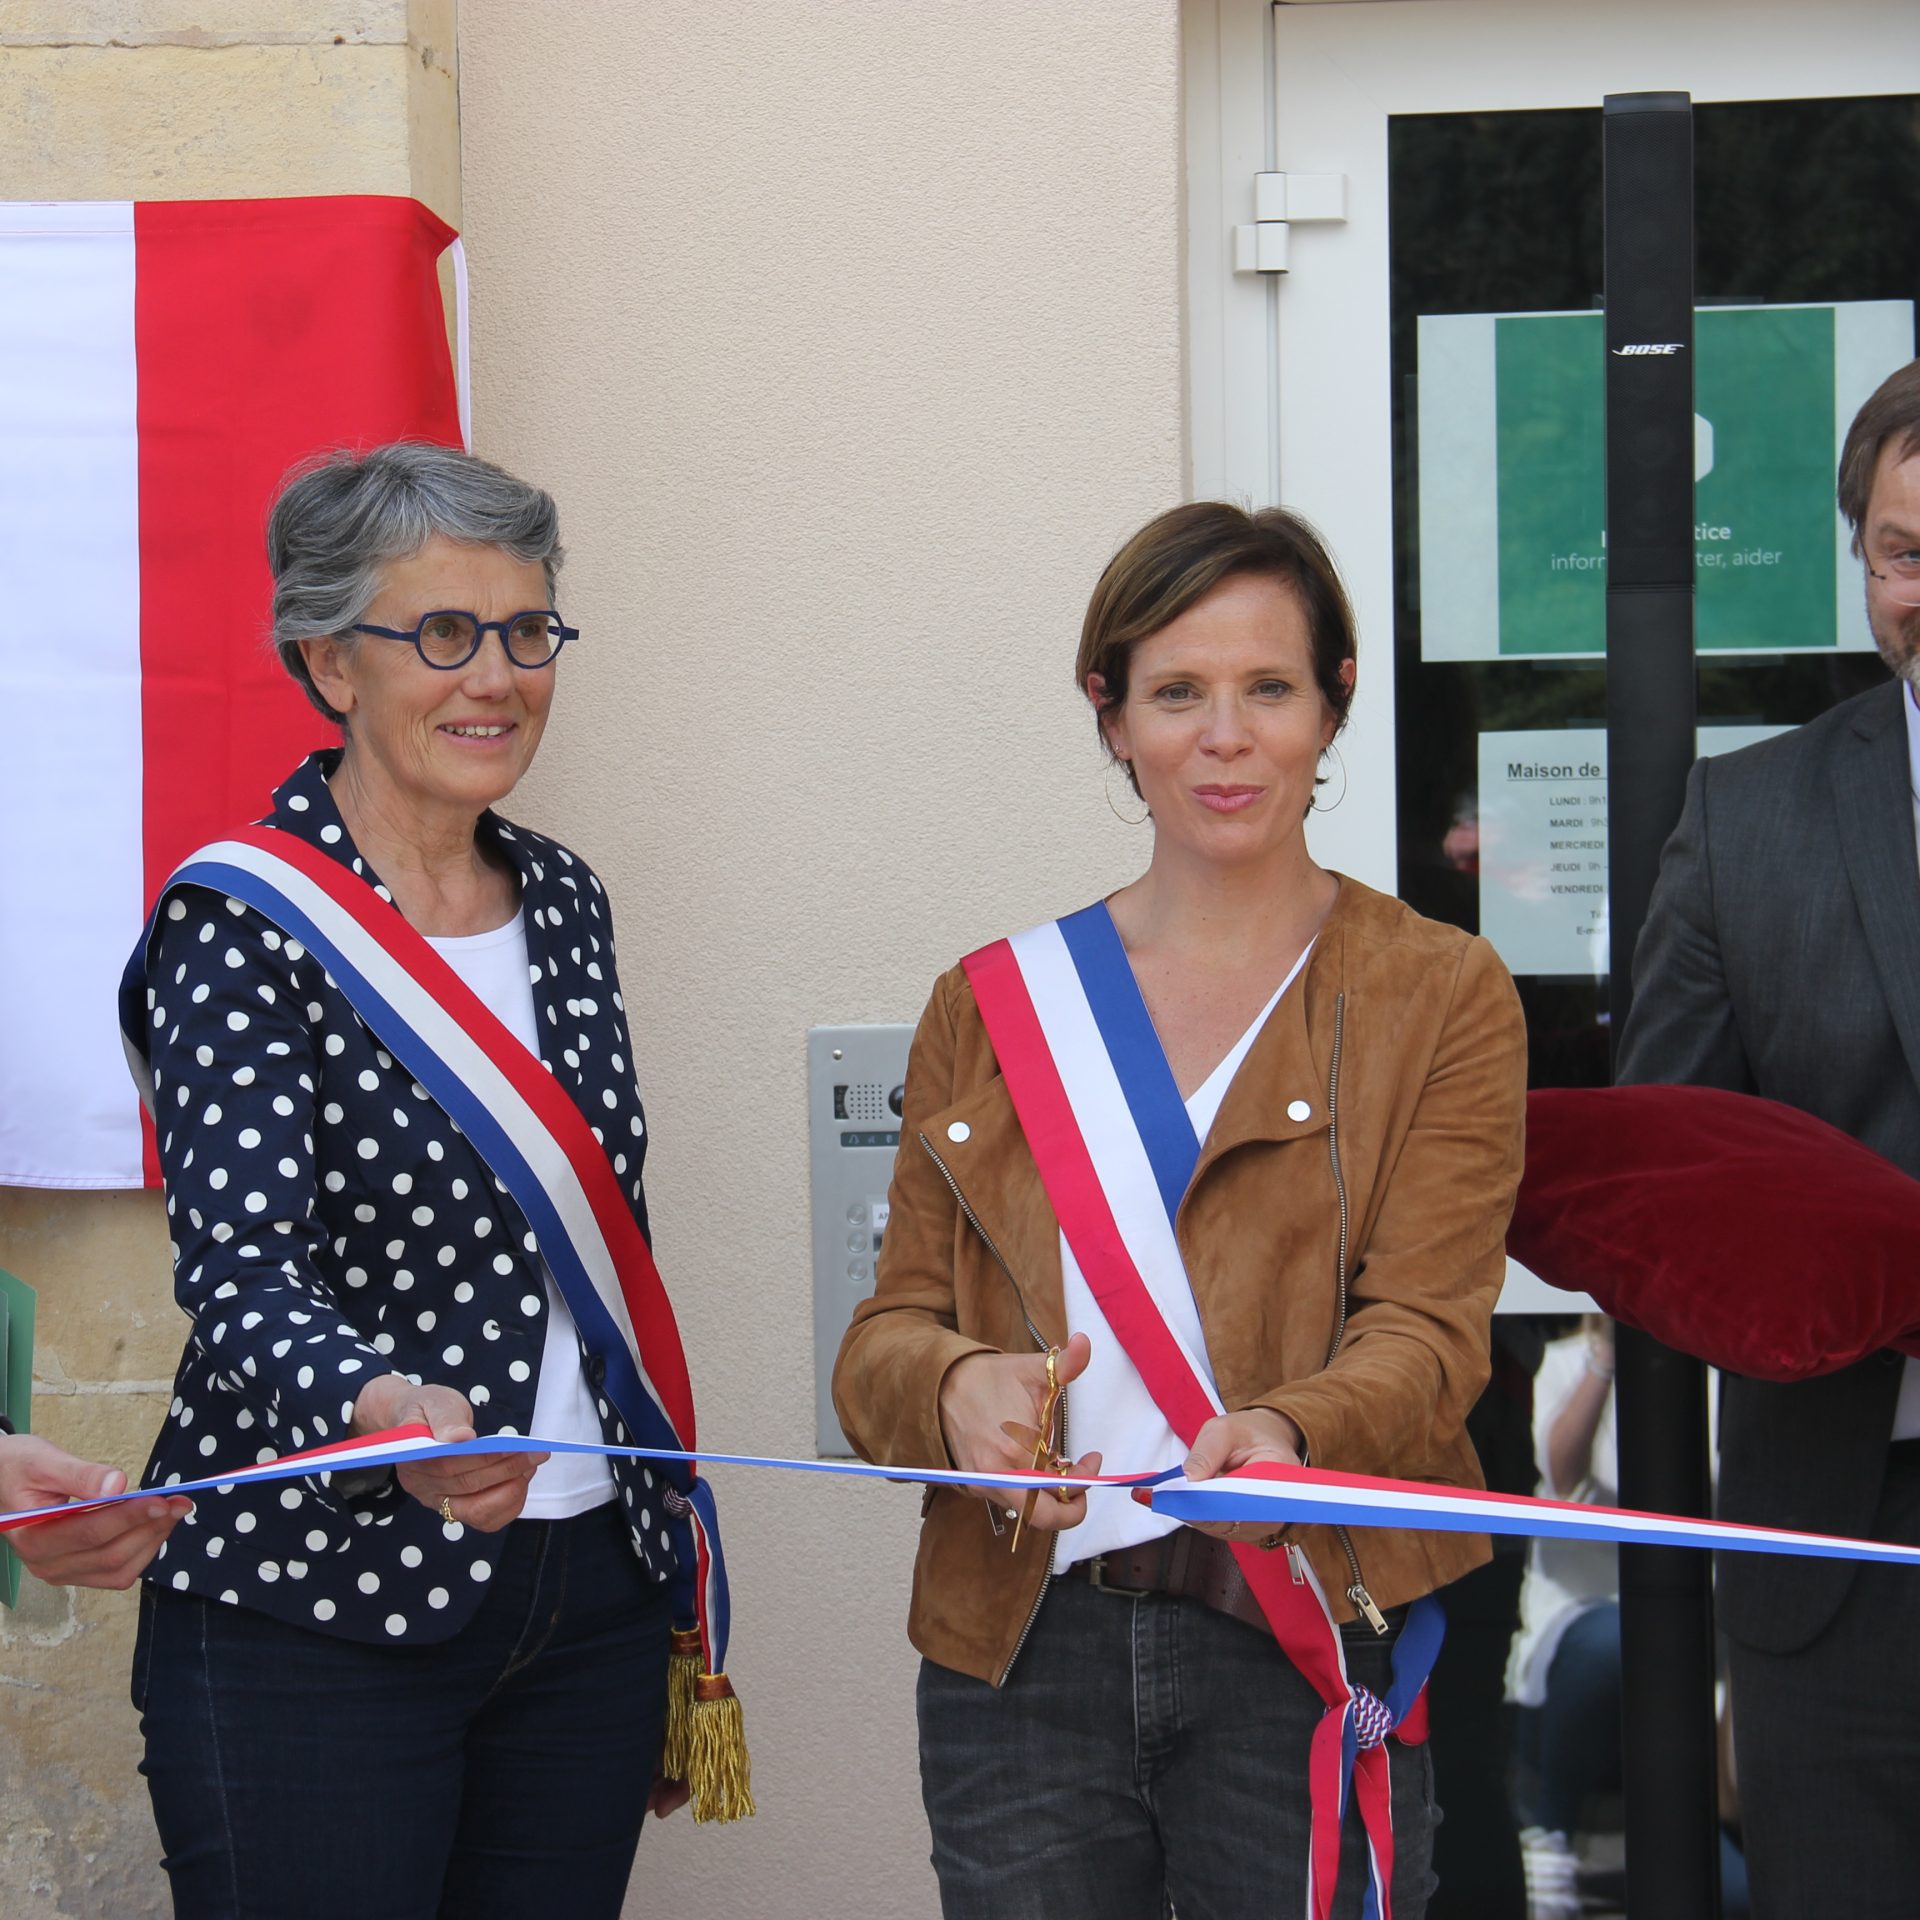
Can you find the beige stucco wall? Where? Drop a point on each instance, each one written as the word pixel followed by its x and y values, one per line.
pixel 158 99
pixel 848 335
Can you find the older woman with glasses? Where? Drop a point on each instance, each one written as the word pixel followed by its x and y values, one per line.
pixel 441 1689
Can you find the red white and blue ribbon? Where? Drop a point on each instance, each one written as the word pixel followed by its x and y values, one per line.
pixel 1116 1152
pixel 1269 1496
pixel 528 1131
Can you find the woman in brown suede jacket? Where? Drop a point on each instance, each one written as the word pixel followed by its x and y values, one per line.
pixel 1107 1723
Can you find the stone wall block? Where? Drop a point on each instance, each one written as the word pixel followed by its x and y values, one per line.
pixel 101 1267
pixel 106 100
pixel 208 26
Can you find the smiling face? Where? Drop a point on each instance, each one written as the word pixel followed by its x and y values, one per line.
pixel 437 744
pixel 1223 722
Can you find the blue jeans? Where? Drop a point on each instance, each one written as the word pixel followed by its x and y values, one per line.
pixel 1145 1750
pixel 502 1773
pixel 1573 1740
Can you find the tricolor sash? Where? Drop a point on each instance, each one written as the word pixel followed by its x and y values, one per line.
pixel 1116 1152
pixel 1268 1495
pixel 540 1146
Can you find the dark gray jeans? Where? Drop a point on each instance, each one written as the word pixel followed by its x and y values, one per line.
pixel 1146 1754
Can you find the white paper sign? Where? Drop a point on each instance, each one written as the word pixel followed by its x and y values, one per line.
pixel 1543 843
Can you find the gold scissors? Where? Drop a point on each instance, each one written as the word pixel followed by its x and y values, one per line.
pixel 1045 1459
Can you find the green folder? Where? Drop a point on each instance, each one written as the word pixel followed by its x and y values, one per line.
pixel 16 1395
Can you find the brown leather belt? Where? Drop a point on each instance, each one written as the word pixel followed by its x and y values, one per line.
pixel 1185 1564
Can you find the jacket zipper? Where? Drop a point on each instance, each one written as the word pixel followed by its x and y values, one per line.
pixel 1046 1578
pixel 1357 1594
pixel 986 1240
pixel 1339 1179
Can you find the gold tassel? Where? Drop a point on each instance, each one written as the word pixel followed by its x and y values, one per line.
pixel 683 1671
pixel 718 1773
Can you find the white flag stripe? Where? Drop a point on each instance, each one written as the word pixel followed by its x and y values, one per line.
pixel 488 1084
pixel 70 779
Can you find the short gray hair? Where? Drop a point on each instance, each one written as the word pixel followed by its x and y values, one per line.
pixel 342 517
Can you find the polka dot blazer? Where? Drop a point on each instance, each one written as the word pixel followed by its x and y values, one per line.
pixel 330 1223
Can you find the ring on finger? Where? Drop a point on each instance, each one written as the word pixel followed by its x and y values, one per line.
pixel 446 1510
pixel 1267 1542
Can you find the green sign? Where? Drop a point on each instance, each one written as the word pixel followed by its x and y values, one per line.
pixel 1763 480
pixel 16 1395
pixel 1512 477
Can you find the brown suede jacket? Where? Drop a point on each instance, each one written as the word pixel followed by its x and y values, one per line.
pixel 1405 1040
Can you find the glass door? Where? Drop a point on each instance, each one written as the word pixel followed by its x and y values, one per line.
pixel 1439 397
pixel 1468 134
pixel 1806 285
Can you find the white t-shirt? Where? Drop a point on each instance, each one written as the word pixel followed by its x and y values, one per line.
pixel 495 966
pixel 1109 1406
pixel 1564 1577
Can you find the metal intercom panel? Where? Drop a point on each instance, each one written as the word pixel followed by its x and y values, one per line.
pixel 856 1085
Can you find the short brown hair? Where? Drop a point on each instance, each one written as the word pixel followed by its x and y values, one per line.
pixel 1892 414
pixel 1177 559
pixel 341 518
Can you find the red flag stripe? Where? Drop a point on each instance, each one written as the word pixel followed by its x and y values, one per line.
pixel 264 331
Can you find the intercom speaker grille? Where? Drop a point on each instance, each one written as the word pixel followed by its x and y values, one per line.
pixel 867 1103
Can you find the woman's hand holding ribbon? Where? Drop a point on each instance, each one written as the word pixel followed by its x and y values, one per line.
pixel 987 1393
pixel 481 1490
pixel 1231 1440
pixel 106 1547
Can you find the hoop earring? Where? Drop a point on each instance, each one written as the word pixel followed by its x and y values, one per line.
pixel 1314 805
pixel 1106 787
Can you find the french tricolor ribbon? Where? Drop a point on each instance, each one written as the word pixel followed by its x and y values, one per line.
pixel 1271 1496
pixel 1116 1151
pixel 398 1446
pixel 536 1141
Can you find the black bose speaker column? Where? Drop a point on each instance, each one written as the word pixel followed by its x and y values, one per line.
pixel 1666 1606
pixel 1649 441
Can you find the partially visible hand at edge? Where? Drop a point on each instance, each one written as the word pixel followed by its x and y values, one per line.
pixel 108 1547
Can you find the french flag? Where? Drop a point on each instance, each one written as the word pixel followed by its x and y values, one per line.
pixel 162 365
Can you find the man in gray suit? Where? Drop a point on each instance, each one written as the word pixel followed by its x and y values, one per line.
pixel 1781 956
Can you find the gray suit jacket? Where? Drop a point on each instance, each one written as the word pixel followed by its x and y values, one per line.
pixel 1781 956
